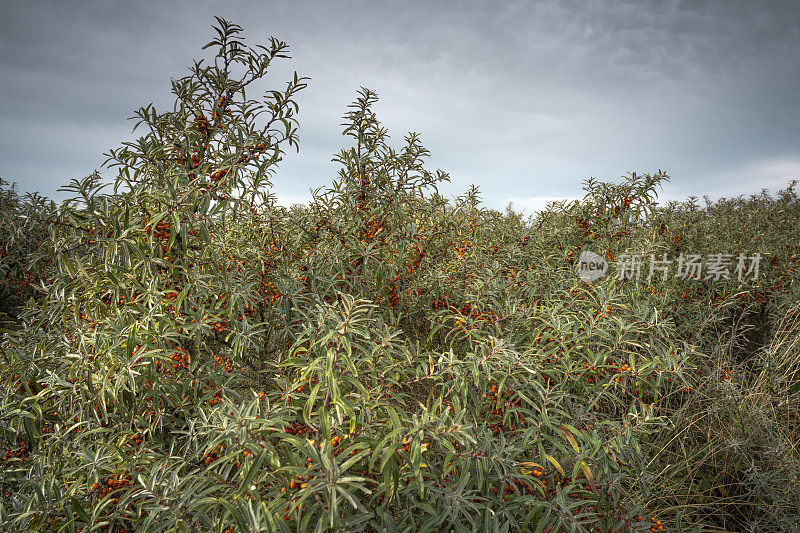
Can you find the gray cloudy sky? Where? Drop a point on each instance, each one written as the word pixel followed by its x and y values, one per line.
pixel 523 99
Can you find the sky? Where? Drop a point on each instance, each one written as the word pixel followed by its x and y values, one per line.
pixel 525 100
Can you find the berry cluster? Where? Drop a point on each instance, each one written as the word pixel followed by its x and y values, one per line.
pixel 224 363
pixel 180 361
pixel 584 225
pixel 372 231
pixel 214 454
pixel 112 484
pixel 162 230
pixel 297 429
pixel 137 439
pixel 219 110
pixel 296 483
pixel 20 453
pixel 215 399
pixel 626 204
pixel 201 123
pixel 218 175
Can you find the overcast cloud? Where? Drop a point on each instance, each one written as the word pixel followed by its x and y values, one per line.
pixel 524 99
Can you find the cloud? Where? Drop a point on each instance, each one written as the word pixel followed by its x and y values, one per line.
pixel 517 97
pixel 289 200
pixel 750 177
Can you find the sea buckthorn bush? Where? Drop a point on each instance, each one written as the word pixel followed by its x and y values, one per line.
pixel 22 230
pixel 188 355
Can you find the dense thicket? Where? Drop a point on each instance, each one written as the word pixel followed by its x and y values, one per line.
pixel 183 354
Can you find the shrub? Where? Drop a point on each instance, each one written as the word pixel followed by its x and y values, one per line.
pixel 197 357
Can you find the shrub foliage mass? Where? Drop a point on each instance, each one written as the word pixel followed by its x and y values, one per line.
pixel 181 353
